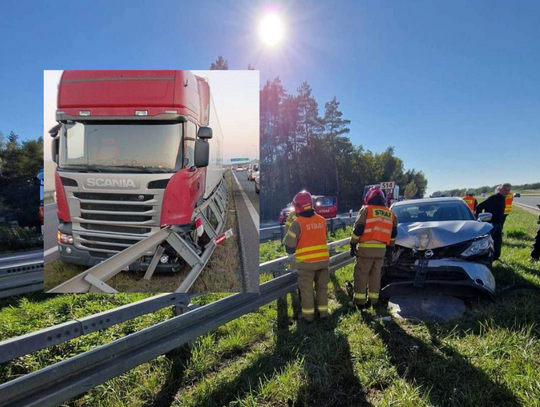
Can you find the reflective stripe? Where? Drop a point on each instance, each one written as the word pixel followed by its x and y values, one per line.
pixel 373 245
pixel 373 295
pixel 292 234
pixel 355 237
pixel 322 307
pixel 308 310
pixel 322 256
pixel 312 248
pixel 382 230
pixel 360 296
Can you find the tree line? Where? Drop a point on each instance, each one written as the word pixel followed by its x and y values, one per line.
pixel 485 189
pixel 19 165
pixel 302 150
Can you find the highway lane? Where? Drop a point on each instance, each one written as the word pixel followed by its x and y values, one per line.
pixel 247 213
pixel 530 201
pixel 50 232
pixel 249 188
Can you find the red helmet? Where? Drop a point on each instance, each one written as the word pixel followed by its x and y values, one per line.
pixel 302 202
pixel 373 192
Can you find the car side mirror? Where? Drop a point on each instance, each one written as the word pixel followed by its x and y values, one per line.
pixel 205 133
pixel 485 217
pixel 202 153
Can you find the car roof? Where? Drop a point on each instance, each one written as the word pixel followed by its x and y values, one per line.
pixel 428 201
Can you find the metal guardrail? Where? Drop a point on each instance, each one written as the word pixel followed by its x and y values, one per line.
pixel 69 378
pixel 93 279
pixel 278 232
pixel 56 383
pixel 21 277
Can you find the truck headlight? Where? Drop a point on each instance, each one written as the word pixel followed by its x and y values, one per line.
pixel 479 246
pixel 65 238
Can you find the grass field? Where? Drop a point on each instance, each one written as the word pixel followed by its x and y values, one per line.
pixel 221 274
pixel 489 357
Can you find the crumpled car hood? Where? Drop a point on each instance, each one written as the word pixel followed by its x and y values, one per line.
pixel 432 235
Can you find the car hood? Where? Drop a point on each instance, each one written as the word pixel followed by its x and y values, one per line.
pixel 431 235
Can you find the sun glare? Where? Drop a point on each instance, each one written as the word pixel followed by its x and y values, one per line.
pixel 271 29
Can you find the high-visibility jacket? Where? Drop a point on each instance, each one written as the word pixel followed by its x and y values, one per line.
pixel 311 246
pixel 508 203
pixel 469 200
pixel 378 229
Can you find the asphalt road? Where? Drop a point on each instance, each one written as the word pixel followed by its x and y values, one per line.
pixel 50 231
pixel 247 211
pixel 529 201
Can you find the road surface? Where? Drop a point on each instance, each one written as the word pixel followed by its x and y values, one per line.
pixel 247 210
pixel 528 201
pixel 50 231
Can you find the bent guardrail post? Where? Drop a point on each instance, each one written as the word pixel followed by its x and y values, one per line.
pixel 93 279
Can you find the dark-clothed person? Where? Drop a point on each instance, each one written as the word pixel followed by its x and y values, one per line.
pixel 535 252
pixel 495 204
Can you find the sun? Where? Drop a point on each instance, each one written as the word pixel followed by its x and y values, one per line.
pixel 271 29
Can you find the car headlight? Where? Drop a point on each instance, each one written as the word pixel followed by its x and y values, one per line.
pixel 479 246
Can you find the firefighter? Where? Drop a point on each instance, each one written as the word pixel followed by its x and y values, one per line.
pixel 535 252
pixel 374 231
pixel 508 205
pixel 306 242
pixel 471 201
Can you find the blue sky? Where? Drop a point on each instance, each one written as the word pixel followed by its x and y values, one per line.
pixel 454 86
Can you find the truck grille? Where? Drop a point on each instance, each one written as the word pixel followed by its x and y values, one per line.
pixel 107 222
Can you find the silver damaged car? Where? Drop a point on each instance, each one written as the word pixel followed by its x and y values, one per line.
pixel 440 248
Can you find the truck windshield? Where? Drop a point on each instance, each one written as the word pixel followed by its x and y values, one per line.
pixel 133 147
pixel 325 201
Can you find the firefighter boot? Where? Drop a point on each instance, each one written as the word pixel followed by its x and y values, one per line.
pixel 305 284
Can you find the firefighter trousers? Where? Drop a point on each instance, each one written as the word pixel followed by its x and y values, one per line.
pixel 306 278
pixel 367 276
pixel 535 252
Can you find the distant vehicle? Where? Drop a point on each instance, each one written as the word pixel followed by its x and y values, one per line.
pixel 326 206
pixel 440 248
pixel 240 169
pixel 253 168
pixel 257 184
pixel 483 194
pixel 517 195
pixel 284 214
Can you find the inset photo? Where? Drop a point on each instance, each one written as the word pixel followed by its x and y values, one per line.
pixel 143 184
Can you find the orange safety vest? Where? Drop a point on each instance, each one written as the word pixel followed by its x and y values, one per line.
pixel 469 200
pixel 508 201
pixel 378 229
pixel 311 246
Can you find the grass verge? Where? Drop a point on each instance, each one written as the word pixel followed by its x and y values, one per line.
pixel 490 356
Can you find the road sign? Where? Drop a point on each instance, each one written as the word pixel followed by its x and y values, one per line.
pixel 239 160
pixel 388 185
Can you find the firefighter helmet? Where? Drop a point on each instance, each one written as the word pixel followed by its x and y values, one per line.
pixel 302 201
pixel 372 193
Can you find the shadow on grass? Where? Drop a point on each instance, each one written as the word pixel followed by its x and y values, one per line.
pixel 443 375
pixel 322 355
pixel 174 382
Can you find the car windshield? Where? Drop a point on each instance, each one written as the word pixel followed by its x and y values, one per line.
pixel 432 212
pixel 131 146
pixel 325 201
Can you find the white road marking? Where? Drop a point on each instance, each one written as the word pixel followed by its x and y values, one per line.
pixel 250 207
pixel 50 251
pixel 54 203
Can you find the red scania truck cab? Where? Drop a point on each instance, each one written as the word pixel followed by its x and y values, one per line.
pixel 135 151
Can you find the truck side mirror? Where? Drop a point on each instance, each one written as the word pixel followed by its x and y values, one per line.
pixel 202 153
pixel 205 133
pixel 55 148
